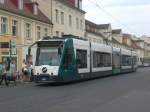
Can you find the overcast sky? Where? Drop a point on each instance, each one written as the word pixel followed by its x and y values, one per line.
pixel 132 16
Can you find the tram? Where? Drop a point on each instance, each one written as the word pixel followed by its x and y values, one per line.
pixel 71 59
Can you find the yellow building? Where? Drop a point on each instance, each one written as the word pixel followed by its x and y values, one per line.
pixel 23 23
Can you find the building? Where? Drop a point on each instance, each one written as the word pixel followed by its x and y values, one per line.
pixel 67 16
pixel 92 33
pixel 23 23
pixel 117 38
pixel 106 30
pixel 146 49
pixel 135 44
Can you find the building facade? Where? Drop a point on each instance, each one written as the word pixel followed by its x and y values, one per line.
pixel 67 16
pixel 21 23
pixel 117 38
pixel 92 33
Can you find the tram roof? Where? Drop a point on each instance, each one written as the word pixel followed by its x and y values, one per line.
pixel 55 38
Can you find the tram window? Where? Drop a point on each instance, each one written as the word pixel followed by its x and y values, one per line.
pixel 81 57
pixel 126 60
pixel 101 59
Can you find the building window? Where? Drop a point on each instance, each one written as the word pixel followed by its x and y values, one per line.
pixel 45 31
pixel 57 16
pixel 81 25
pixel 57 33
pixel 4 44
pixel 77 23
pixel 28 30
pixel 101 59
pixel 70 20
pixel 38 32
pixel 62 17
pixel 62 33
pixel 3 25
pixel 81 56
pixel 14 27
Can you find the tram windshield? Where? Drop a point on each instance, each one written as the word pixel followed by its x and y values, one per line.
pixel 48 56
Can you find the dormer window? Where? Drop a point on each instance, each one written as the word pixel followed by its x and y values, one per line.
pixel 35 8
pixel 20 4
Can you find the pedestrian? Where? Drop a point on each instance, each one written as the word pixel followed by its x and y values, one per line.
pixel 4 74
pixel 12 76
pixel 30 70
pixel 25 71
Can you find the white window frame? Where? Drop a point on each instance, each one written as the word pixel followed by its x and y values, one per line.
pixel 77 23
pixel 57 15
pixel 81 24
pixel 28 36
pixel 17 27
pixel 38 32
pixel 62 17
pixel 3 24
pixel 46 33
pixel 70 20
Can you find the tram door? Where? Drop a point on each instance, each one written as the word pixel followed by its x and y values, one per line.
pixel 116 62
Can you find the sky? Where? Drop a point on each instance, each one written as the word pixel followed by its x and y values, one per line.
pixel 132 16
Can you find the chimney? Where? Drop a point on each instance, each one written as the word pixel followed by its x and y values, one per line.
pixel 2 1
pixel 77 3
pixel 20 4
pixel 35 8
pixel 80 4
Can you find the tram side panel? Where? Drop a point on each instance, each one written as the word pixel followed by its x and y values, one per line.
pixel 82 54
pixel 126 61
pixel 101 60
pixel 116 60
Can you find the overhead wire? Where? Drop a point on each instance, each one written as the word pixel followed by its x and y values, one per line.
pixel 99 5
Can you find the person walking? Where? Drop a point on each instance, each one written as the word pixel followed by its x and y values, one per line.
pixel 25 71
pixel 30 70
pixel 4 74
pixel 12 76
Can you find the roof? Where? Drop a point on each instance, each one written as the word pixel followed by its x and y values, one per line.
pixel 96 33
pixel 116 31
pixel 125 35
pixel 66 2
pixel 98 26
pixel 11 7
pixel 91 24
pixel 103 26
